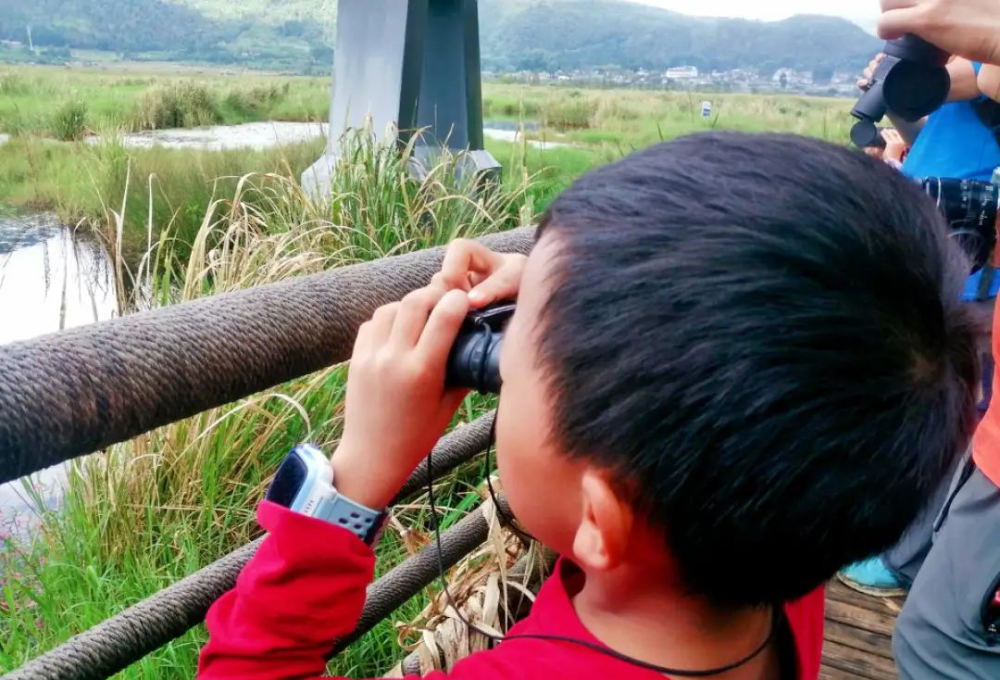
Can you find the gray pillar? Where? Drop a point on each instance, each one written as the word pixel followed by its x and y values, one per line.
pixel 411 64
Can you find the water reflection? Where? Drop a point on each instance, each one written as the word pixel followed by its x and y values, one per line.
pixel 50 279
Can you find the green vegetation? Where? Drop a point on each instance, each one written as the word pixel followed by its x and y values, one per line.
pixel 82 181
pixel 34 99
pixel 150 511
pixel 111 187
pixel 516 34
pixel 70 121
pixel 628 120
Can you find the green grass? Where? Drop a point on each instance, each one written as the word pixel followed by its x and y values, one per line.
pixel 635 119
pixel 31 97
pixel 90 183
pixel 152 510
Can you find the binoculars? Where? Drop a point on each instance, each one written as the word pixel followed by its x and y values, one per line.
pixel 911 82
pixel 474 361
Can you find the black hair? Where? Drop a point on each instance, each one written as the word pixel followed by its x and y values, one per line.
pixel 761 335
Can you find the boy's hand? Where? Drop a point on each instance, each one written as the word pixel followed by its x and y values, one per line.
pixel 397 405
pixel 486 276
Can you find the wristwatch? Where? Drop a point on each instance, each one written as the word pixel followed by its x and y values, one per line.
pixel 304 484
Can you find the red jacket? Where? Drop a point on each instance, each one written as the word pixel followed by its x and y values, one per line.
pixel 306 587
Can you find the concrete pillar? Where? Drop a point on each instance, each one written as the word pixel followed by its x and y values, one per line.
pixel 411 64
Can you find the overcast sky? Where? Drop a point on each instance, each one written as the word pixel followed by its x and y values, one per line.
pixel 863 12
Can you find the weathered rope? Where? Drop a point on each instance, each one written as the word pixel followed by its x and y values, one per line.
pixel 78 391
pixel 122 640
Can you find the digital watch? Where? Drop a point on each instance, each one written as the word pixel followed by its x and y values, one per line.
pixel 304 484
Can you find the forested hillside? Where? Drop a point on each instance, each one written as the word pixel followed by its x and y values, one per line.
pixel 516 34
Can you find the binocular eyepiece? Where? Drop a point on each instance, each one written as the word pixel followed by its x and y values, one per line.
pixel 911 82
pixel 474 361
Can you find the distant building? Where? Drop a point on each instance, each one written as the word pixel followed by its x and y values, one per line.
pixel 787 77
pixel 682 73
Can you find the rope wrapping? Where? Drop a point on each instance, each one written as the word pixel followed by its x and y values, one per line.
pixel 120 641
pixel 78 391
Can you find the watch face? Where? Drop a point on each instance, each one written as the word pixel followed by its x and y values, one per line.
pixel 288 481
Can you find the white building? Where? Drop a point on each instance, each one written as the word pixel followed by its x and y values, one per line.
pixel 682 73
pixel 792 77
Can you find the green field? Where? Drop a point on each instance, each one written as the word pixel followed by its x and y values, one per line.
pixel 50 111
pixel 32 99
pixel 155 509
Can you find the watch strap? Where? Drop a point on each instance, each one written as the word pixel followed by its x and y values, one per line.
pixel 360 520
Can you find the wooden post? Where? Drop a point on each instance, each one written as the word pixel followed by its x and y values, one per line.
pixel 407 65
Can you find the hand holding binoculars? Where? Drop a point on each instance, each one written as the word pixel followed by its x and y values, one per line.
pixel 910 82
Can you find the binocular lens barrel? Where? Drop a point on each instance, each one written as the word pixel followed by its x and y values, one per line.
pixel 474 362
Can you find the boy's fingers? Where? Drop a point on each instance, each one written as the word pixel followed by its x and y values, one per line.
pixel 452 400
pixel 362 342
pixel 412 316
pixel 442 328
pixel 501 286
pixel 381 324
pixel 464 257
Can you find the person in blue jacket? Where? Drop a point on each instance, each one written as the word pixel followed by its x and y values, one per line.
pixel 956 141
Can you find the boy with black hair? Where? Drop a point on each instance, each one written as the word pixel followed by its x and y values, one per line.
pixel 737 364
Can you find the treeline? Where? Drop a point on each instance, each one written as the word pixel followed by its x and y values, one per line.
pixel 536 35
pixel 138 29
pixel 581 34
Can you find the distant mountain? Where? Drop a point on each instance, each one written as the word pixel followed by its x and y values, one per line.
pixel 570 34
pixel 516 34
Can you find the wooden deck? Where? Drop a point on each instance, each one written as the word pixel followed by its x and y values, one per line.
pixel 858 635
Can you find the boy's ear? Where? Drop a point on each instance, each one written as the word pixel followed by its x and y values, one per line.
pixel 606 523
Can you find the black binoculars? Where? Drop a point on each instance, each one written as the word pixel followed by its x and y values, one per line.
pixel 474 361
pixel 911 82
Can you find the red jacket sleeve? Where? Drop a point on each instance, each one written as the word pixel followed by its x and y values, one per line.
pixel 304 589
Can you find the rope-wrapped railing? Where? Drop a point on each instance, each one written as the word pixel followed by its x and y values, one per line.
pixel 81 390
pixel 146 626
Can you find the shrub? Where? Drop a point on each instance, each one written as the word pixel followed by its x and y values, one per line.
pixel 179 105
pixel 12 84
pixel 255 100
pixel 574 113
pixel 70 121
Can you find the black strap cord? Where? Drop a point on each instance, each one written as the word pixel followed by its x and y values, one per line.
pixel 507 520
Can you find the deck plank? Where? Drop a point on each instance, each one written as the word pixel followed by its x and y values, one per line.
pixel 858 642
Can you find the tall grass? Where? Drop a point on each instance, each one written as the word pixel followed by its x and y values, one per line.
pixel 70 121
pixel 634 119
pixel 143 514
pixel 31 96
pixel 178 105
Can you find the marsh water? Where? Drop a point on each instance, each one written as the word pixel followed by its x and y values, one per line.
pixel 51 278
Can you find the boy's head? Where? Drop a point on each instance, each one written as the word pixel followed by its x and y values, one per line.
pixel 739 361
